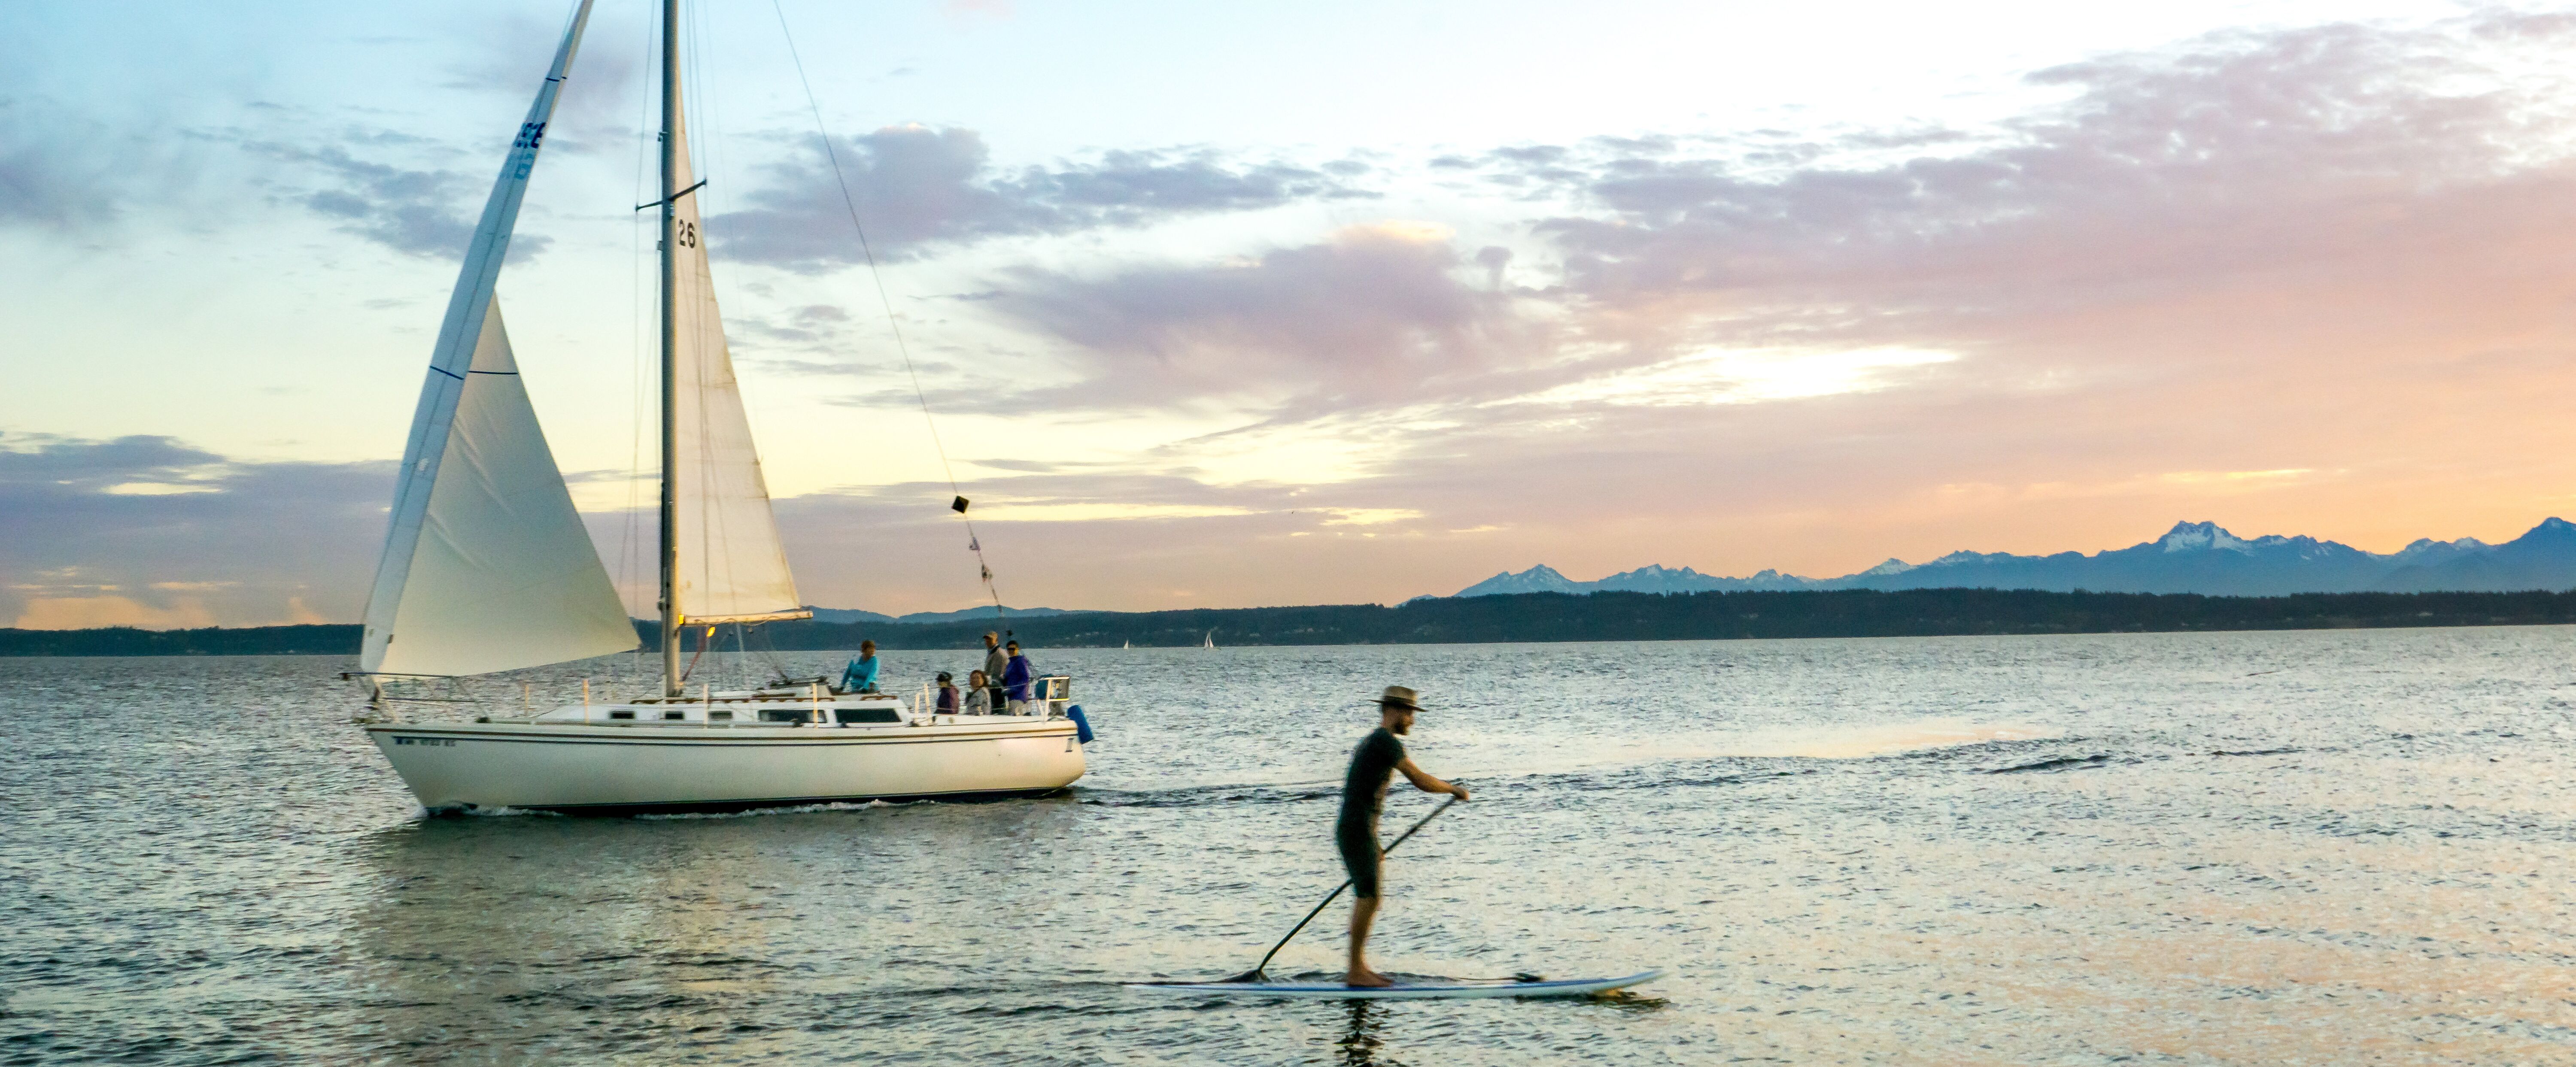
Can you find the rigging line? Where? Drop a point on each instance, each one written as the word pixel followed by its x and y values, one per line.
pixel 894 325
pixel 704 639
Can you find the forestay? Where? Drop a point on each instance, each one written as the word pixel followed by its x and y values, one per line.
pixel 486 566
pixel 731 566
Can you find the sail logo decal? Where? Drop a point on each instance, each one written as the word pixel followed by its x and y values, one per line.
pixel 438 742
pixel 529 134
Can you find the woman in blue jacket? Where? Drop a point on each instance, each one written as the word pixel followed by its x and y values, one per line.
pixel 861 675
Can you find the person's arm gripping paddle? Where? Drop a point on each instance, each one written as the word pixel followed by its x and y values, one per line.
pixel 1423 780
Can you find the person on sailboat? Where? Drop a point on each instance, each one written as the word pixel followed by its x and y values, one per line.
pixel 1016 675
pixel 979 696
pixel 861 675
pixel 947 694
pixel 1355 833
pixel 994 664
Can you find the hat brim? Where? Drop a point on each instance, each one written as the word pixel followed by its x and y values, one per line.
pixel 1405 704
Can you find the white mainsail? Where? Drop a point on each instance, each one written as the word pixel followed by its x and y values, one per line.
pixel 731 567
pixel 486 565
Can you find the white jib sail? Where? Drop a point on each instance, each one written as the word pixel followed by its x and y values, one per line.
pixel 478 555
pixel 731 566
pixel 503 575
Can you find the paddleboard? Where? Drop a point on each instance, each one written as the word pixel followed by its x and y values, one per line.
pixel 1409 988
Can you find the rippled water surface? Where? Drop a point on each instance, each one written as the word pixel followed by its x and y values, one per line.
pixel 2331 847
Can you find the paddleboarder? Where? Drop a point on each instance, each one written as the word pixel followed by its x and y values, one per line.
pixel 1363 794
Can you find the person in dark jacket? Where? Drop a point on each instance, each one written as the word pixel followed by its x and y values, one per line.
pixel 947 694
pixel 1016 675
pixel 1355 831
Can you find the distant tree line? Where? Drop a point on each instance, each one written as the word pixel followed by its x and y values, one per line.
pixel 1526 617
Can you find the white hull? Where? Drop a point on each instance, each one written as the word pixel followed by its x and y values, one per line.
pixel 681 766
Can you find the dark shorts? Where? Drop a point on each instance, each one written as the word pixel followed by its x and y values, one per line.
pixel 1360 855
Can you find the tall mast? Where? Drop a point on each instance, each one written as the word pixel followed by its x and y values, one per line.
pixel 670 348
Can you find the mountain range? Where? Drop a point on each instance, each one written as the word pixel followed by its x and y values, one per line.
pixel 2193 557
pixel 985 611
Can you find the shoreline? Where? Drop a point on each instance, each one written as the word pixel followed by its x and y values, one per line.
pixel 1522 618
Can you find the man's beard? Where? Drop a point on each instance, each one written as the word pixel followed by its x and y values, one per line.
pixel 1401 726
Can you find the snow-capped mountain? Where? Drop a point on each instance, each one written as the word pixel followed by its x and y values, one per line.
pixel 1538 579
pixel 2193 557
pixel 1647 579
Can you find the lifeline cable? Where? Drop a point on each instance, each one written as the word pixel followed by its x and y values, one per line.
pixel 893 324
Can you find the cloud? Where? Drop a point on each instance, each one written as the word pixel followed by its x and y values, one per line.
pixel 42 185
pixel 2316 276
pixel 2332 248
pixel 415 212
pixel 83 465
pixel 2115 235
pixel 150 530
pixel 1374 316
pixel 2165 174
pixel 1129 540
pixel 1739 377
pixel 68 171
pixel 917 186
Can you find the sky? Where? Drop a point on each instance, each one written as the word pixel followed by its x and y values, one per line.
pixel 1238 305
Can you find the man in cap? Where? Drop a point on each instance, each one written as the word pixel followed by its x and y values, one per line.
pixel 1363 794
pixel 994 663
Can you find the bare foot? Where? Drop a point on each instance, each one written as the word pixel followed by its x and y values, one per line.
pixel 1367 979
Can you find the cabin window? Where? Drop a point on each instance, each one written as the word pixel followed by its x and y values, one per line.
pixel 668 715
pixel 719 716
pixel 768 715
pixel 628 713
pixel 851 715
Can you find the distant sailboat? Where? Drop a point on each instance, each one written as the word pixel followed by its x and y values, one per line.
pixel 487 568
pixel 1210 644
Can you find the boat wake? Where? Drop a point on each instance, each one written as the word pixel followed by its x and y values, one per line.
pixel 789 809
pixel 503 812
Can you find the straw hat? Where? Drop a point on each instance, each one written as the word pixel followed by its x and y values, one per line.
pixel 1397 696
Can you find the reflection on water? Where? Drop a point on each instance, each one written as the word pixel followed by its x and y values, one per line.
pixel 1360 1046
pixel 562 934
pixel 2253 848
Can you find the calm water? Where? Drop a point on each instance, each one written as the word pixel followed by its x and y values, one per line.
pixel 2255 848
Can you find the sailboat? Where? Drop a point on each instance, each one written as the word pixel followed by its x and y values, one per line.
pixel 487 568
pixel 1210 643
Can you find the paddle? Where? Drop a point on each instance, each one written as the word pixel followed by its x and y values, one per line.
pixel 1255 975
